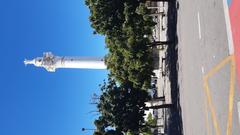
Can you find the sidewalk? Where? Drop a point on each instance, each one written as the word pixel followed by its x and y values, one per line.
pixel 162 73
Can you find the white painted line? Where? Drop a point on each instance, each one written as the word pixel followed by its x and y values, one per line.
pixel 238 108
pixel 228 26
pixel 203 70
pixel 199 27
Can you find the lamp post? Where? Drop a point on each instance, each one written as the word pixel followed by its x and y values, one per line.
pixel 89 129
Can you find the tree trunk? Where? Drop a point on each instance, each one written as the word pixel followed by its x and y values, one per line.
pixel 156 14
pixel 159 98
pixel 156 0
pixel 157 126
pixel 158 43
pixel 158 106
pixel 151 126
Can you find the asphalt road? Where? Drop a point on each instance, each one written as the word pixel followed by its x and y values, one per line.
pixel 207 77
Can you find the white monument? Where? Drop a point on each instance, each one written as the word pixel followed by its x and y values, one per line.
pixel 51 62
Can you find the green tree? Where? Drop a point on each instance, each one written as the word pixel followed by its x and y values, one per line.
pixel 136 64
pixel 127 26
pixel 122 107
pixel 107 15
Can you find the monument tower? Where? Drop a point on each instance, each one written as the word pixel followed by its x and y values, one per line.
pixel 51 62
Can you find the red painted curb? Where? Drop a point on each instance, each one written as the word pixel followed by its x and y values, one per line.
pixel 234 12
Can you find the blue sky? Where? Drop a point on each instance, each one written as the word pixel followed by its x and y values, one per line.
pixel 229 2
pixel 32 100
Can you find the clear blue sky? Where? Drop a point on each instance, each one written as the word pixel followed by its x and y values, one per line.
pixel 32 100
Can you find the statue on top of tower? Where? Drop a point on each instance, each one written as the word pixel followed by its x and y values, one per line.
pixel 47 61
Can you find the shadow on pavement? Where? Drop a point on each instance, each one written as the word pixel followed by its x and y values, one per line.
pixel 174 121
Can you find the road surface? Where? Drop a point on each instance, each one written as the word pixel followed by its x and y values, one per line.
pixel 207 69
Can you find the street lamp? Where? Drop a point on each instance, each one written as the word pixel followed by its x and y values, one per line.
pixel 84 129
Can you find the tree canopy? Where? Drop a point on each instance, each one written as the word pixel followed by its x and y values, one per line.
pixel 122 107
pixel 127 28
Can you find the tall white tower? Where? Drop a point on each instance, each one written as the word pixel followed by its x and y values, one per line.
pixel 51 62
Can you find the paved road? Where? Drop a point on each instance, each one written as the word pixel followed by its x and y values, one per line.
pixel 207 77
